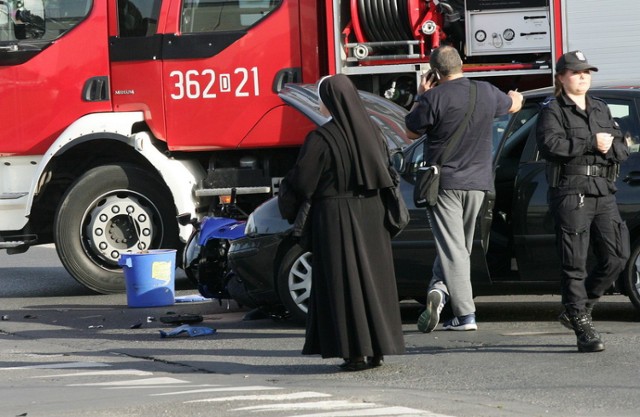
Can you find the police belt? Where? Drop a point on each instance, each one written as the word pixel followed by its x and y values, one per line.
pixel 608 171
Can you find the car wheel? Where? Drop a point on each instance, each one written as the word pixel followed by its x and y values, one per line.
pixel 632 275
pixel 108 211
pixel 294 282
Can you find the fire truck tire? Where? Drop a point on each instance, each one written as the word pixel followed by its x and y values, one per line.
pixel 294 282
pixel 110 210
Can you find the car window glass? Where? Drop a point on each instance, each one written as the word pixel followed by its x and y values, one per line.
pixel 389 117
pixel 520 118
pixel 623 113
pixel 505 126
pixel 138 17
pixel 499 126
pixel 201 16
pixel 417 159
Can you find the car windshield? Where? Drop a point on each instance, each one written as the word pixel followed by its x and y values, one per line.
pixel 389 117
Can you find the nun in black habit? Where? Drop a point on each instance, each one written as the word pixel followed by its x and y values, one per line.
pixel 353 307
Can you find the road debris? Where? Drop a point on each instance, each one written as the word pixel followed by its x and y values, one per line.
pixel 187 330
pixel 181 319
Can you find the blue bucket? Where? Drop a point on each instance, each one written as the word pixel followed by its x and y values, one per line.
pixel 150 277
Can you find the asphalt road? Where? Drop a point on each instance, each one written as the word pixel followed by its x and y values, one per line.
pixel 67 352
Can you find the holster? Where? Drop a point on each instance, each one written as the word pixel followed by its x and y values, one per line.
pixel 553 172
pixel 614 172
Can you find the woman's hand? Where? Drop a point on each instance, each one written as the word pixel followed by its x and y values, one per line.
pixel 603 142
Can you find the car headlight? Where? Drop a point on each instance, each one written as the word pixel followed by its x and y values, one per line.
pixel 192 251
pixel 250 228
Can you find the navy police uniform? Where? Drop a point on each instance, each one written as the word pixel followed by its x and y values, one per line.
pixel 581 196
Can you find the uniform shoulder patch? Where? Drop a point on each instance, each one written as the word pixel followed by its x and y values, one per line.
pixel 547 101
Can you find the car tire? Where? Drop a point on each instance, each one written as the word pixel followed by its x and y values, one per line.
pixel 110 210
pixel 294 282
pixel 632 275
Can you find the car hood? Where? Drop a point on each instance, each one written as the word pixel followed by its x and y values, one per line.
pixel 266 220
pixel 387 115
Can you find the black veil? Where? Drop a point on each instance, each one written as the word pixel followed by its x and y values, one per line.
pixel 357 145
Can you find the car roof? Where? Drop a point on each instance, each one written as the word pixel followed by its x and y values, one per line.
pixel 626 88
pixel 386 114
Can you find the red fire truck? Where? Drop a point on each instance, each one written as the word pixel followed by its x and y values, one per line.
pixel 118 114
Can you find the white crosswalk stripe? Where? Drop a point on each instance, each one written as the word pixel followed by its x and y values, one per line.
pixel 221 389
pixel 150 387
pixel 63 365
pixel 316 405
pixel 272 397
pixel 385 411
pixel 146 381
pixel 121 372
pixel 279 400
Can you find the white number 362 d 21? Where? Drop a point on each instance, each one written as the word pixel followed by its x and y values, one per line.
pixel 207 84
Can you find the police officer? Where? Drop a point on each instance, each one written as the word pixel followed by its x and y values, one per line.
pixel 583 147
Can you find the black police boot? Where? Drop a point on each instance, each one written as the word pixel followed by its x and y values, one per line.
pixel 588 338
pixel 564 317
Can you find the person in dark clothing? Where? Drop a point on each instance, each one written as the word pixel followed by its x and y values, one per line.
pixel 354 311
pixel 583 147
pixel 465 178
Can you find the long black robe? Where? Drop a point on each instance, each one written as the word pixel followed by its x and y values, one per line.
pixel 353 306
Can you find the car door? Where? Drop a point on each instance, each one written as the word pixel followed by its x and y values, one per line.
pixel 414 249
pixel 509 150
pixel 625 111
pixel 535 257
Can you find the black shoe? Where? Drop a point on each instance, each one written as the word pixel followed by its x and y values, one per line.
pixel 563 318
pixel 353 364
pixel 375 361
pixel 588 338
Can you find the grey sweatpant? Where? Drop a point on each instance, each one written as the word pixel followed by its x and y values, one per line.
pixel 453 222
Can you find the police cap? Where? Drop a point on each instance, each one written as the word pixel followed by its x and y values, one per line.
pixel 575 61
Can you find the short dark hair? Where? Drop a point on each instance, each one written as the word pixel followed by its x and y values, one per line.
pixel 446 60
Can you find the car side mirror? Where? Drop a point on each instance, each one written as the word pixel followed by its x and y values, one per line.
pixel 184 219
pixel 397 161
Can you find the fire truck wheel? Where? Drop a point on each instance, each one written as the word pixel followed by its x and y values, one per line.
pixel 108 211
pixel 294 282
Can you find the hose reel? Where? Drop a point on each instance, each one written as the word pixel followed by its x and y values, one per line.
pixel 392 30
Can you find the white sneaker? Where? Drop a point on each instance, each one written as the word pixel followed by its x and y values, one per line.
pixel 467 322
pixel 430 317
